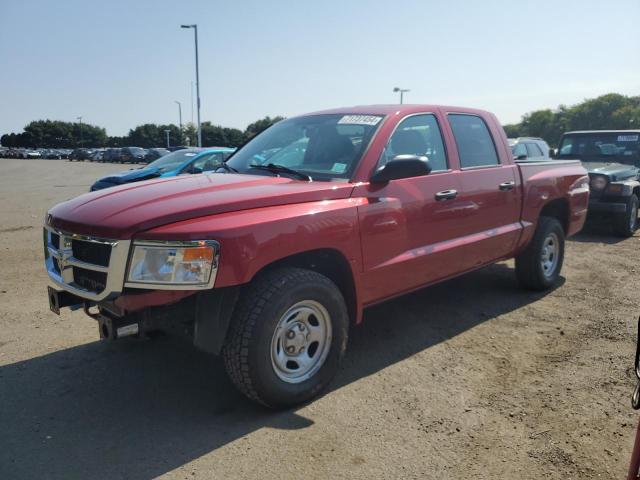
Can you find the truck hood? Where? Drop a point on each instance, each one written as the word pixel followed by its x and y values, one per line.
pixel 134 175
pixel 615 171
pixel 121 212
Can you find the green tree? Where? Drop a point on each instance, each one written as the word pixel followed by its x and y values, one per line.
pixel 152 135
pixel 217 136
pixel 260 125
pixel 610 111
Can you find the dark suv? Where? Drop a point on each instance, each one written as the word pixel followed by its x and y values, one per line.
pixel 112 155
pixel 612 158
pixel 132 155
pixel 81 154
pixel 154 154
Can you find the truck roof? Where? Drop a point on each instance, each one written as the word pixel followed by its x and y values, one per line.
pixel 387 109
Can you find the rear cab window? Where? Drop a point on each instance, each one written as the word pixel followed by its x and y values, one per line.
pixel 475 144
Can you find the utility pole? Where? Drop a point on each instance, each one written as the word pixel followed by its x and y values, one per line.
pixel 80 120
pixel 179 118
pixel 167 131
pixel 195 31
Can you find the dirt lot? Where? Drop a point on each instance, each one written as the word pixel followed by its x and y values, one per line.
pixel 469 379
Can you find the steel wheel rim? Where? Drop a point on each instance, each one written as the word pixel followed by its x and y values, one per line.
pixel 634 216
pixel 301 341
pixel 550 255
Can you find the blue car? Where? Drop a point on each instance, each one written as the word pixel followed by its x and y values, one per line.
pixel 180 162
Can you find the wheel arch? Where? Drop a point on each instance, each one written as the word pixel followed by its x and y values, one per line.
pixel 328 262
pixel 558 209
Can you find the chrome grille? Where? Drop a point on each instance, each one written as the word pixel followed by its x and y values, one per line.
pixel 90 267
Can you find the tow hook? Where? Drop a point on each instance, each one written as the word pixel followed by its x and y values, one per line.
pixel 112 328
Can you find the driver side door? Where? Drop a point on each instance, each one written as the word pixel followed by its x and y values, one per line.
pixel 409 226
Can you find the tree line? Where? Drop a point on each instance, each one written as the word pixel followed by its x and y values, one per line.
pixel 607 112
pixel 611 111
pixel 59 134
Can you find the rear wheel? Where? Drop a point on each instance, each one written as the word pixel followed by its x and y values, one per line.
pixel 288 336
pixel 626 224
pixel 539 266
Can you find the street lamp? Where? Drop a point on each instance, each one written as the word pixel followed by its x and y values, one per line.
pixel 179 116
pixel 195 31
pixel 402 91
pixel 167 132
pixel 80 120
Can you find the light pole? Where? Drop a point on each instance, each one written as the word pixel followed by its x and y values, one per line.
pixel 191 102
pixel 195 31
pixel 179 116
pixel 80 120
pixel 167 132
pixel 402 91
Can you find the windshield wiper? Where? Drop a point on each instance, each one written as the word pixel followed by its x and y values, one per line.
pixel 274 168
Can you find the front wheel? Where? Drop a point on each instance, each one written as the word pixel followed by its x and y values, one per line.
pixel 538 266
pixel 287 338
pixel 626 224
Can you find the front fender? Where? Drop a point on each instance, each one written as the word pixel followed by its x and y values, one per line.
pixel 252 239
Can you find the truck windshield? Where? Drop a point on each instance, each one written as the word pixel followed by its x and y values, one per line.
pixel 325 147
pixel 623 147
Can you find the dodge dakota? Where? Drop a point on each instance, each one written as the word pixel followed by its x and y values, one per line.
pixel 269 259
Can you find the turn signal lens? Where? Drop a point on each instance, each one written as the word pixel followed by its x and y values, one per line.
pixel 198 254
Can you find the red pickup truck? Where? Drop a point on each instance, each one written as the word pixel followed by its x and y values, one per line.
pixel 269 260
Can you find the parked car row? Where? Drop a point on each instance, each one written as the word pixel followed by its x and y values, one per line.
pixel 118 155
pixel 48 153
pixel 115 155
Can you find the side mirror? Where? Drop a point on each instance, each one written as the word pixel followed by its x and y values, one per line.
pixel 402 166
pixel 521 157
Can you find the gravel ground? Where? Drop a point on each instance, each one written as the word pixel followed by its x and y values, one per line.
pixel 472 378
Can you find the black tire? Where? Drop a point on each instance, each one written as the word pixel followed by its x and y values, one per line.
pixel 529 264
pixel 248 348
pixel 626 224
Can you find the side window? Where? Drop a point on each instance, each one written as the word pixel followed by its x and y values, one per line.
pixel 207 163
pixel 519 150
pixel 417 135
pixel 475 145
pixel 567 146
pixel 534 150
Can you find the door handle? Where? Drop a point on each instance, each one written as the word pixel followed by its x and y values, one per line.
pixel 446 195
pixel 507 186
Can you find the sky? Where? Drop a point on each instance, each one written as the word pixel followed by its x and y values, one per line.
pixel 119 64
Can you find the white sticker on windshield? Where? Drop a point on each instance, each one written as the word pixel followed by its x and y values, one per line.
pixel 359 120
pixel 628 138
pixel 339 167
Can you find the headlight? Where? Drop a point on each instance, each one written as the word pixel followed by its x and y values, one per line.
pixel 599 182
pixel 177 265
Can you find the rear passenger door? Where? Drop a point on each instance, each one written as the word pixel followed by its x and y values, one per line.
pixel 490 191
